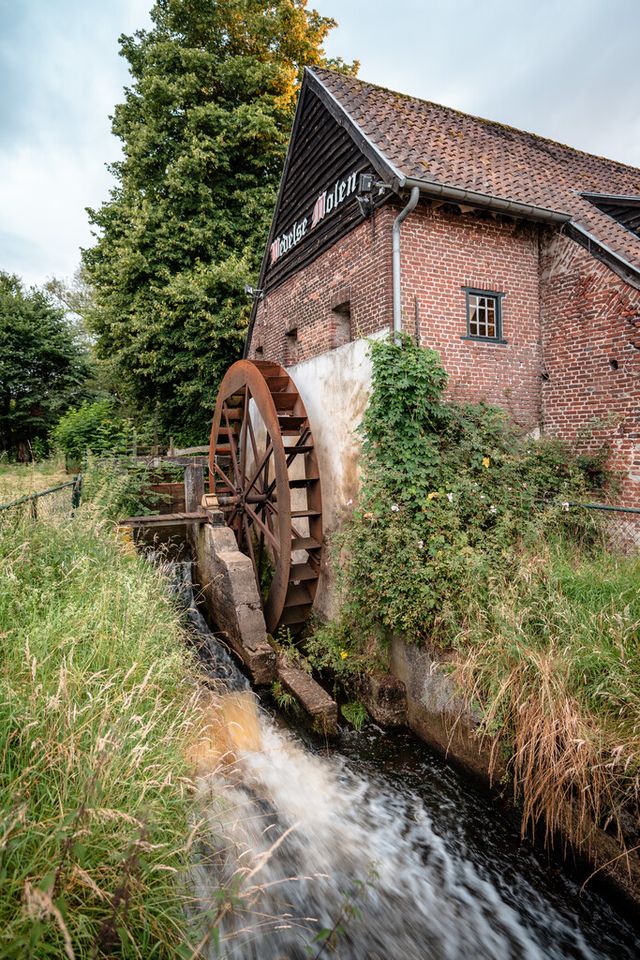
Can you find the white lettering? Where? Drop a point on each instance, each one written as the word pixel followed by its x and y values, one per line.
pixel 319 209
pixel 326 202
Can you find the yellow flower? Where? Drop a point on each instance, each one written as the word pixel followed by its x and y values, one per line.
pixel 433 495
pixel 485 462
pixel 343 654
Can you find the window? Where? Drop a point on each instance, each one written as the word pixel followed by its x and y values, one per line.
pixel 484 315
pixel 340 303
pixel 291 347
pixel 342 324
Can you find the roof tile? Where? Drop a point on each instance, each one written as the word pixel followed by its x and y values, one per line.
pixel 427 141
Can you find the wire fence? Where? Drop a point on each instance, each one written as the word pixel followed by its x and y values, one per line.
pixel 53 504
pixel 616 527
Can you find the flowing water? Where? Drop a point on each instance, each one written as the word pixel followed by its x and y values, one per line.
pixel 372 849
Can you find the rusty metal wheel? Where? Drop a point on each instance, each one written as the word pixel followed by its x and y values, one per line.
pixel 264 471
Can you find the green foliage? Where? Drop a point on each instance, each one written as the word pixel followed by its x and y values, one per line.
pixel 204 127
pixel 285 701
pixel 120 487
pixel 552 667
pixel 96 715
pixel 93 427
pixel 44 366
pixel 354 713
pixel 450 494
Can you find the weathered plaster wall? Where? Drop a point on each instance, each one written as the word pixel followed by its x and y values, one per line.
pixel 335 389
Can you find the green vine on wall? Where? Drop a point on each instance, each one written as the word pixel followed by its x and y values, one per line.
pixel 450 493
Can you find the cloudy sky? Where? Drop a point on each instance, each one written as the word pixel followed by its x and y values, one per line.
pixel 563 68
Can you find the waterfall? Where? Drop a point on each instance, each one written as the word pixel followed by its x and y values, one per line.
pixel 329 854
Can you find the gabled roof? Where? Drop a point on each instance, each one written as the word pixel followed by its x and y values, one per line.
pixel 442 149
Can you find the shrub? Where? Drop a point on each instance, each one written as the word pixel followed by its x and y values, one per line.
pixel 96 714
pixel 449 494
pixel 94 427
pixel 462 536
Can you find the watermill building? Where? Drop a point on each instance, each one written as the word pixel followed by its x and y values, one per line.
pixel 517 258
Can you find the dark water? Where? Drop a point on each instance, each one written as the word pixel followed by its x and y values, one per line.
pixel 380 841
pixel 481 843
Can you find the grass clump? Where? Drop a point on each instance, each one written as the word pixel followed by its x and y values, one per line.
pixel 463 537
pixel 553 665
pixel 96 712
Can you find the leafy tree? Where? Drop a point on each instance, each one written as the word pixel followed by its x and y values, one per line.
pixel 43 366
pixel 204 128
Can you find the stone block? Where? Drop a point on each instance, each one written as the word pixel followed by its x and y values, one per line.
pixel 314 700
pixel 385 698
pixel 231 595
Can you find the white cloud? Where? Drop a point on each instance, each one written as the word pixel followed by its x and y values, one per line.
pixel 56 137
pixel 565 70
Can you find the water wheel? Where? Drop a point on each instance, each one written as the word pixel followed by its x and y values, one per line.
pixel 264 471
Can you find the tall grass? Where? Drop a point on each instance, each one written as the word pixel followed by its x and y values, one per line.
pixel 21 479
pixel 96 717
pixel 553 664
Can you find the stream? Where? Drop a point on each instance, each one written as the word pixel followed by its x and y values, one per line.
pixel 372 848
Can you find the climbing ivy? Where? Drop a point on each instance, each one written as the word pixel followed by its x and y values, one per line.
pixel 450 494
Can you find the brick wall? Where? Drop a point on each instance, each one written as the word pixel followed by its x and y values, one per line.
pixel 356 269
pixel 591 357
pixel 443 252
pixel 571 361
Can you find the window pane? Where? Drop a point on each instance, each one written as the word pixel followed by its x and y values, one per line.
pixel 482 324
pixel 473 317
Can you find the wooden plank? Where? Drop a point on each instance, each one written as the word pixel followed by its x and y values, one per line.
pixel 165 519
pixel 189 450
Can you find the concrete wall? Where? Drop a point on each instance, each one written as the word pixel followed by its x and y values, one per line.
pixel 335 387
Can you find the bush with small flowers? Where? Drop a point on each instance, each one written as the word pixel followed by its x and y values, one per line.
pixel 451 494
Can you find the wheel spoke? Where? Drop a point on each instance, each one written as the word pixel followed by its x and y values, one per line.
pixel 263 462
pixel 256 519
pixel 232 448
pixel 254 446
pixel 223 475
pixel 247 532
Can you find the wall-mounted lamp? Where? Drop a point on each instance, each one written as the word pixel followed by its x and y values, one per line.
pixel 368 190
pixel 254 292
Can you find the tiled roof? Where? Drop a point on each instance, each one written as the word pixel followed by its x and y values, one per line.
pixel 432 143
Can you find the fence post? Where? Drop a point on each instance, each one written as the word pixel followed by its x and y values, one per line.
pixel 33 508
pixel 193 487
pixel 76 493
